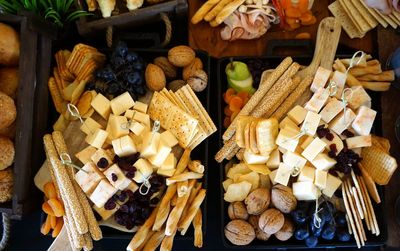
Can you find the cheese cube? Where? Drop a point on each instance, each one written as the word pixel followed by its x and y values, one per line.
pixel 283 174
pixel 311 123
pixel 331 110
pixel 140 107
pixel 166 172
pixel 103 192
pixel 297 114
pixel 274 159
pixel 313 149
pixel 101 105
pixel 307 174
pixel 341 123
pixel 364 120
pixel 305 190
pixel 293 160
pixel 103 155
pixel 97 139
pixel 320 178
pixel 318 100
pixel 142 118
pixel 306 141
pixel 163 151
pixel 116 177
pixel 170 162
pixel 144 170
pixel 132 187
pixel 359 97
pixel 272 176
pixel 321 77
pixel 104 213
pixel 332 184
pixel 254 159
pixel 124 146
pixel 337 141
pixel 85 155
pixel 282 150
pixel 339 78
pixel 117 126
pixel 90 125
pixel 323 162
pixel 138 140
pixel 137 128
pixel 169 139
pixel 150 144
pixel 288 123
pixel 287 139
pixel 129 114
pixel 121 103
pixel 357 150
pixel 88 177
pixel 359 141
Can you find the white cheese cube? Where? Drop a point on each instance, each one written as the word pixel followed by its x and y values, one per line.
pixel 318 100
pixel 307 174
pixel 274 159
pixel 116 177
pixel 359 141
pixel 321 77
pixel 341 123
pixel 313 149
pixel 364 120
pixel 293 160
pixel 337 141
pixel 305 141
pixel 166 172
pixel 169 139
pixel 124 146
pixel 359 97
pixel 137 128
pixel 320 178
pixel 144 170
pixel 101 105
pixel 163 151
pixel 90 125
pixel 272 176
pixel 288 123
pixel 283 174
pixel 311 123
pixel 150 144
pixel 140 107
pixel 287 139
pixel 85 155
pixel 170 162
pixel 117 126
pixel 97 139
pixel 103 192
pixel 88 177
pixel 142 118
pixel 104 213
pixel 305 190
pixel 121 103
pixel 297 114
pixel 323 162
pixel 101 154
pixel 332 184
pixel 254 159
pixel 331 110
pixel 339 78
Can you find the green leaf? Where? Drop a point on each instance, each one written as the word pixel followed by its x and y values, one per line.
pixel 76 14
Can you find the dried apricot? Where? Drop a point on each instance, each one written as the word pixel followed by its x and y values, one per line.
pixel 58 227
pixel 236 104
pixel 53 221
pixel 292 12
pixel 45 229
pixel 56 206
pixel 50 190
pixel 303 35
pixel 227 122
pixel 312 21
pixel 243 95
pixel 227 111
pixel 47 209
pixel 228 95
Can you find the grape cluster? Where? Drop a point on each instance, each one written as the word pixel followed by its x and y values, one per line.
pixel 333 223
pixel 123 72
pixel 257 67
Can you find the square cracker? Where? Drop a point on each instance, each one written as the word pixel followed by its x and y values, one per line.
pixel 365 13
pixel 242 122
pixel 344 20
pixel 374 14
pixel 355 16
pixel 386 18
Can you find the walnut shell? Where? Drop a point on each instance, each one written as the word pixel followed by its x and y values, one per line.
pixel 239 232
pixel 155 77
pixel 260 235
pixel 258 201
pixel 176 85
pixel 283 199
pixel 198 81
pixel 237 210
pixel 190 69
pixel 169 70
pixel 286 231
pixel 271 221
pixel 181 55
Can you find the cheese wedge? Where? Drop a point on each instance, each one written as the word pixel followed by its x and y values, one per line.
pixel 150 144
pixel 288 123
pixel 137 128
pixel 124 146
pixel 339 78
pixel 85 155
pixel 97 139
pixel 144 170
pixel 313 149
pixel 90 125
pixel 166 172
pixel 117 126
pixel 306 141
pixel 163 151
pixel 101 154
pixel 321 77
pixel 101 105
pixel 287 139
pixel 337 141
pixel 274 159
pixel 320 178
pixel 254 159
pixel 359 97
pixel 169 139
pixel 140 107
pixel 121 103
pixel 318 100
pixel 364 120
pixel 283 174
pixel 297 114
pixel 104 213
pixel 272 176
pixel 88 177
pixel 323 162
pixel 142 118
pixel 170 162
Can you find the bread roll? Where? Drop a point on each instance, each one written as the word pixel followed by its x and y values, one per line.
pixel 9 81
pixel 7 152
pixel 9 45
pixel 6 185
pixel 8 111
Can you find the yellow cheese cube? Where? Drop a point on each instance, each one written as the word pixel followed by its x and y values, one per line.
pixel 306 141
pixel 293 160
pixel 359 98
pixel 85 155
pixel 166 172
pixel 311 123
pixel 138 140
pixel 121 103
pixel 142 118
pixel 331 110
pixel 283 174
pixel 332 184
pixel 339 78
pixel 169 139
pixel 307 174
pixel 101 105
pixel 150 144
pixel 288 123
pixel 254 159
pixel 282 150
pixel 104 213
pixel 129 114
pixel 287 139
pixel 313 149
pixel 341 123
pixel 170 162
pixel 140 107
pixel 318 100
pixel 359 141
pixel 137 128
pixel 103 192
pixel 144 170
pixel 132 187
pixel 274 159
pixel 97 139
pixel 321 77
pixel 124 146
pixel 163 151
pixel 102 154
pixel 297 114
pixel 320 178
pixel 305 190
pixel 272 176
pixel 364 120
pixel 117 178
pixel 90 125
pixel 88 177
pixel 323 162
pixel 117 126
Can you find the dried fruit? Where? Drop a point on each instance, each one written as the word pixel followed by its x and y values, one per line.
pixel 198 82
pixel 237 210
pixel 58 227
pixel 258 201
pixel 181 55
pixel 283 199
pixel 260 235
pixel 57 207
pixel 47 209
pixel 190 69
pixel 239 232
pixel 46 227
pixel 50 190
pixel 271 221
pixel 155 77
pixel 286 231
pixel 169 70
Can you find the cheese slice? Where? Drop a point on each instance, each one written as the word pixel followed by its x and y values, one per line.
pixel 359 97
pixel 101 105
pixel 254 159
pixel 85 155
pixel 274 159
pixel 342 122
pixel 101 154
pixel 144 170
pixel 364 120
pixel 283 174
pixel 121 103
pixel 311 123
pixel 163 151
pixel 140 107
pixel 323 162
pixel 150 144
pixel 90 125
pixel 103 192
pixel 321 77
pixel 313 149
pixel 287 139
pixel 332 184
pixel 288 123
pixel 88 177
pixel 294 160
pixel 121 182
pixel 305 141
pixel 137 128
pixel 307 174
pixel 272 176
pixel 305 190
pixel 320 178
pixel 169 139
pixel 97 139
pixel 331 110
pixel 359 141
pixel 339 78
pixel 318 100
pixel 297 114
pixel 170 162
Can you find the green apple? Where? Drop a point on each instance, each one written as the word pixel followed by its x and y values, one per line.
pixel 242 85
pixel 237 71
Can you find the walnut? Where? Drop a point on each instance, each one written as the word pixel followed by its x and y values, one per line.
pixel 198 81
pixel 258 201
pixel 190 69
pixel 237 210
pixel 271 221
pixel 260 235
pixel 286 231
pixel 170 71
pixel 239 232
pixel 283 199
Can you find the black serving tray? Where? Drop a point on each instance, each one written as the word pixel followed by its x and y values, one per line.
pixel 292 243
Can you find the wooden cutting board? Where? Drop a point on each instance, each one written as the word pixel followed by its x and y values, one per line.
pixel 204 37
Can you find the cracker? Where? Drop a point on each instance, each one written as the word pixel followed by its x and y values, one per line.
pixel 365 14
pixel 370 184
pixel 378 164
pixel 358 18
pixel 61 59
pixel 374 14
pixel 369 220
pixel 267 131
pixel 76 94
pixel 359 194
pixel 369 203
pixel 396 14
pixel 386 18
pixel 246 133
pixel 56 96
pixel 253 137
pixel 350 215
pixel 84 103
pixel 394 19
pixel 241 124
pixel 349 12
pixel 383 143
pixel 191 110
pixel 350 28
pixel 356 216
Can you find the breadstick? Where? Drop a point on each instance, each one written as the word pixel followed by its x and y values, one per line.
pixel 376 86
pixel 183 162
pixel 359 193
pixel 216 10
pixel 174 200
pixel 195 205
pixel 233 152
pixel 370 69
pixel 93 225
pixel 203 10
pixel 167 243
pixel 75 239
pixel 228 10
pixel 196 166
pixel 143 231
pixel 227 149
pixel 183 177
pixel 369 217
pixel 350 216
pixel 362 182
pixel 350 80
pixel 182 188
pixel 346 61
pixel 195 190
pixel 155 241
pixel 198 232
pixel 357 202
pixel 163 212
pixel 357 219
pixel 348 225
pixel 385 76
pixel 88 242
pixel 148 237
